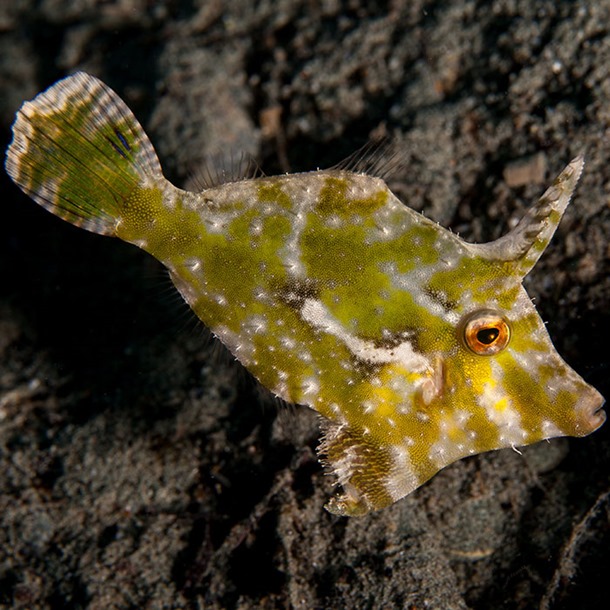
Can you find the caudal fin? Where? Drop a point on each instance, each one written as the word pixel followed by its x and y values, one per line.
pixel 79 151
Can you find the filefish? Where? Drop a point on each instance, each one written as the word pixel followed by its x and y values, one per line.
pixel 415 347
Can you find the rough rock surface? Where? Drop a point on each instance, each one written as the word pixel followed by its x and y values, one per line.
pixel 140 467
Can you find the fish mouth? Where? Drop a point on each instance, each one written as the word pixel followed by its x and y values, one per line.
pixel 592 413
pixel 598 417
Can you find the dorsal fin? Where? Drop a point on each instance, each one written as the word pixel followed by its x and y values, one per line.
pixel 221 169
pixel 378 157
pixel 524 245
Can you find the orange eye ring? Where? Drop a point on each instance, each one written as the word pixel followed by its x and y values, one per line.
pixel 485 332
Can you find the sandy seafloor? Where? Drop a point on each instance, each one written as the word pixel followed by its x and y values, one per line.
pixel 139 466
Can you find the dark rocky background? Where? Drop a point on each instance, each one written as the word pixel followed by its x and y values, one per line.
pixel 139 466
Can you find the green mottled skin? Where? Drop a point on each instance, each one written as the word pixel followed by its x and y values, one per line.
pixel 330 291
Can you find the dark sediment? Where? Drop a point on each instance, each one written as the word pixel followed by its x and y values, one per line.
pixel 139 467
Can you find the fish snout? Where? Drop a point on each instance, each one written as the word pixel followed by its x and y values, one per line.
pixel 590 412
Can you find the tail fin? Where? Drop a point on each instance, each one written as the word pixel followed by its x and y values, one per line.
pixel 79 151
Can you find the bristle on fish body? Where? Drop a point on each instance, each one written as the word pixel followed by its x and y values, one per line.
pixel 415 347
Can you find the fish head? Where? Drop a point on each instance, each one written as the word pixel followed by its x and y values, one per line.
pixel 505 344
pixel 480 372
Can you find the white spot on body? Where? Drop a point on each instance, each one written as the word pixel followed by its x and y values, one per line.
pixel 256 227
pixel 437 453
pixel 402 479
pixel 368 406
pixel 310 389
pixel 281 387
pixel 257 324
pixel 238 344
pixel 336 409
pixel 288 342
pixel 334 221
pixel 260 295
pixel 461 417
pixel 194 264
pixel 550 429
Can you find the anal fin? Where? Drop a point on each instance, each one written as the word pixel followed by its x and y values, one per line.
pixel 372 475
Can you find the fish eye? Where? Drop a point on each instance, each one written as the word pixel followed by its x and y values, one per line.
pixel 485 332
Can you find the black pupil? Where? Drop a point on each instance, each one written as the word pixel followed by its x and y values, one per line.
pixel 487 336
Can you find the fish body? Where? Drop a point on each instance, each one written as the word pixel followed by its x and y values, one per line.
pixel 415 347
